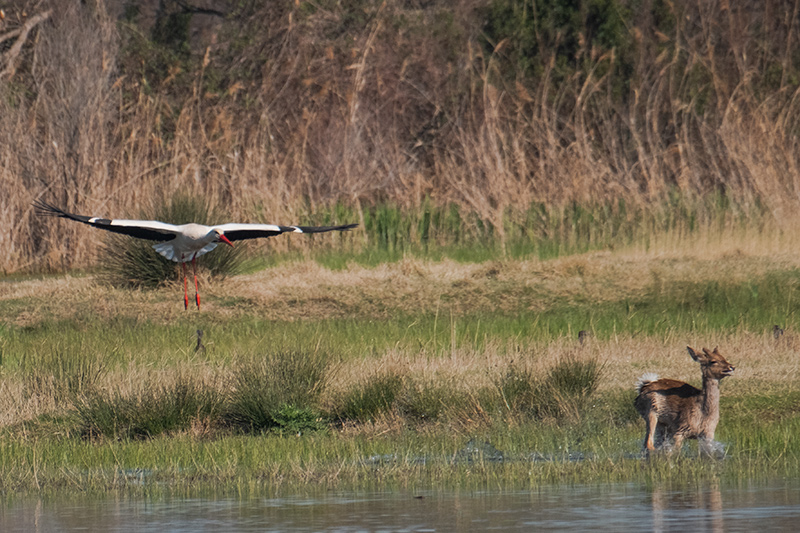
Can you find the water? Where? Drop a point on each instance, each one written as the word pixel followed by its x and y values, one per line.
pixel 763 507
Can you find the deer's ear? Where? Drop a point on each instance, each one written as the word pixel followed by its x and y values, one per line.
pixel 692 352
pixel 700 357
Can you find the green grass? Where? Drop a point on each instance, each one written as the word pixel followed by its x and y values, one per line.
pixel 60 374
pixel 661 311
pixel 142 441
pixel 537 453
pixel 104 398
pixel 701 306
pixel 435 232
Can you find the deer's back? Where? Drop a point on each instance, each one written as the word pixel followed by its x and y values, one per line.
pixel 669 398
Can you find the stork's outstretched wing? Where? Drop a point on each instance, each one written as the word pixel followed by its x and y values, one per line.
pixel 240 232
pixel 152 230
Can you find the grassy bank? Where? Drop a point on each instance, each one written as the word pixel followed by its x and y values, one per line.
pixel 533 455
pixel 415 373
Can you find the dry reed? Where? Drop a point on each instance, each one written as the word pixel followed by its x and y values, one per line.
pixel 299 118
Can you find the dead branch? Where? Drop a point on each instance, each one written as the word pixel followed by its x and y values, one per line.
pixel 9 35
pixel 11 56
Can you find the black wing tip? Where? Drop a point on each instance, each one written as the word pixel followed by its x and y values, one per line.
pixel 45 209
pixel 49 210
pixel 323 229
pixel 344 227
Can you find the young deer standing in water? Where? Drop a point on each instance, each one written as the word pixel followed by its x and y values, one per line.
pixel 676 409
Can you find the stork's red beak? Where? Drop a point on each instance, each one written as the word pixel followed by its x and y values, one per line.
pixel 224 239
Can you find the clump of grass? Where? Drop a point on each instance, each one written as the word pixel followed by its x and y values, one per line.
pixel 517 389
pixel 424 401
pixel 154 410
pixel 571 383
pixel 561 393
pixel 60 375
pixel 133 262
pixel 278 391
pixel 616 407
pixel 373 398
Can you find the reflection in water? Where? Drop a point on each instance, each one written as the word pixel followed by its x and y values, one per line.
pixel 625 507
pixel 705 503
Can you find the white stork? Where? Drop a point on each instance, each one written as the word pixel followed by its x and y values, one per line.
pixel 186 242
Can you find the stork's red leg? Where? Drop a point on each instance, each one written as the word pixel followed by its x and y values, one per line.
pixel 196 291
pixel 185 288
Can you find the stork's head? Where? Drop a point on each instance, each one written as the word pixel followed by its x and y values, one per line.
pixel 220 237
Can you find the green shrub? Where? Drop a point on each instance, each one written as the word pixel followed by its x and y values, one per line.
pixel 575 377
pixel 132 262
pixel 518 389
pixel 293 420
pixel 265 390
pixel 569 31
pixel 154 410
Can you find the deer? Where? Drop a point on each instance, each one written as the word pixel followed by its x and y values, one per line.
pixel 674 409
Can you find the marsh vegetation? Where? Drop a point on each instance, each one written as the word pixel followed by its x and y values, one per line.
pixel 398 374
pixel 618 168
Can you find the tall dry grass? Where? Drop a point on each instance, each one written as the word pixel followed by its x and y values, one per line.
pixel 292 109
pixel 474 385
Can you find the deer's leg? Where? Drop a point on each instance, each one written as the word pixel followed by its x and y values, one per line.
pixel 677 441
pixel 652 425
pixel 658 436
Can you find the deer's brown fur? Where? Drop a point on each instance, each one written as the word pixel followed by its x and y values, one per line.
pixel 677 410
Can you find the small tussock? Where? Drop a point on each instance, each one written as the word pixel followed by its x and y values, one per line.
pixel 279 391
pixel 373 398
pixel 154 409
pixel 561 393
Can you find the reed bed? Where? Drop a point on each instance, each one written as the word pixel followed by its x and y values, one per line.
pixel 435 124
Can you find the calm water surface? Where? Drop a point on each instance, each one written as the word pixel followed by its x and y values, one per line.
pixel 763 506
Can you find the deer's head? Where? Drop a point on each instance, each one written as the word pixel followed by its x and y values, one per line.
pixel 713 364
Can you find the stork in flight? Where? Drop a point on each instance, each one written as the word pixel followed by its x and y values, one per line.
pixel 186 242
